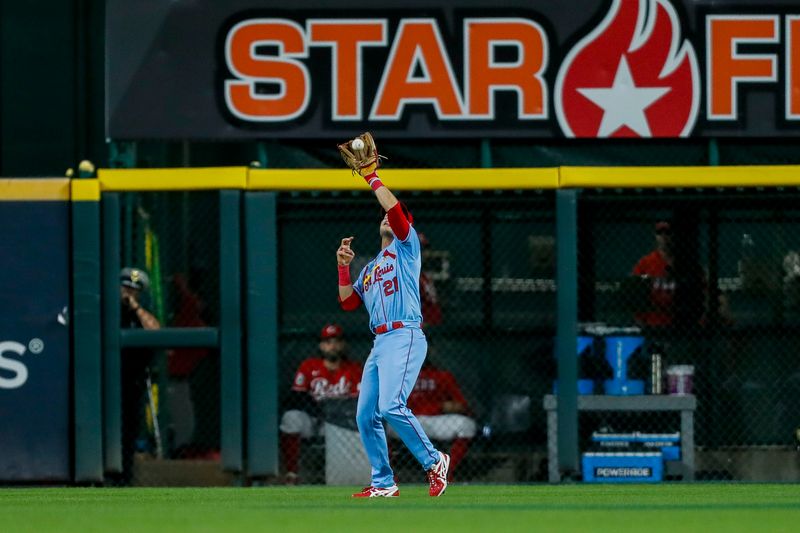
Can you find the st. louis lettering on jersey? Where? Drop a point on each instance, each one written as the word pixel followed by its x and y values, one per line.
pixel 389 284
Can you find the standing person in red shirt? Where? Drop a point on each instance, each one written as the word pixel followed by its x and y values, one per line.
pixel 442 410
pixel 326 376
pixel 678 284
pixel 659 267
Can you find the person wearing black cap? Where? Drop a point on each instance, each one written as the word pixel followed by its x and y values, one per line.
pixel 328 375
pixel 134 364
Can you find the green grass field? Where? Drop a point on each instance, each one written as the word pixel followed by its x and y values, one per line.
pixel 709 508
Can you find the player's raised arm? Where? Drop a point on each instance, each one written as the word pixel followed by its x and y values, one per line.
pixel 398 219
pixel 387 200
pixel 362 156
pixel 348 297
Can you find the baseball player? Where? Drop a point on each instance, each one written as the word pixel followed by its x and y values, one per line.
pixel 327 376
pixel 388 286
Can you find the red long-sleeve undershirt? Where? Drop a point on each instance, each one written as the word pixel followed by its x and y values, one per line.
pixel 351 303
pixel 398 222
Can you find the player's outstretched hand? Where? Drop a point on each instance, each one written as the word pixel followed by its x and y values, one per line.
pixel 361 154
pixel 345 254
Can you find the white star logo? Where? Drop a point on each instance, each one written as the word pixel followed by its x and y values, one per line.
pixel 624 103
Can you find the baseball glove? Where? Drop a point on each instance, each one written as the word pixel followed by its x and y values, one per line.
pixel 364 160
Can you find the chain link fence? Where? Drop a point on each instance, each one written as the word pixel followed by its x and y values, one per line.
pixel 696 292
pixel 683 293
pixel 170 240
pixel 488 299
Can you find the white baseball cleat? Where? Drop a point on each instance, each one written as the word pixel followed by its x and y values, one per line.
pixel 378 492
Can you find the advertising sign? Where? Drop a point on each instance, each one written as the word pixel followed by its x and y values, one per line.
pixel 473 68
pixel 34 340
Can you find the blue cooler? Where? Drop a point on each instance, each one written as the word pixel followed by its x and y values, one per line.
pixel 618 351
pixel 585 386
pixel 623 467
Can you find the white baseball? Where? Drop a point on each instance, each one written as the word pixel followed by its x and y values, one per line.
pixel 357 144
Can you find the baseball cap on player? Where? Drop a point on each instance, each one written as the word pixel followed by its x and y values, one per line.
pixel 134 278
pixel 406 212
pixel 331 331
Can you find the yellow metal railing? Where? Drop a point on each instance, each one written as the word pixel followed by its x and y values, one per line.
pixel 245 178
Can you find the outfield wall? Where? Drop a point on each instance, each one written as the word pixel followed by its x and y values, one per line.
pixel 496 298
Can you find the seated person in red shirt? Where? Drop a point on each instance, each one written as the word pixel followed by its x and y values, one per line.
pixel 328 375
pixel 442 410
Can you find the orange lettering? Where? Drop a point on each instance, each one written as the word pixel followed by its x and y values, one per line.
pixel 727 68
pixel 346 37
pixel 417 45
pixel 483 76
pixel 252 68
pixel 792 81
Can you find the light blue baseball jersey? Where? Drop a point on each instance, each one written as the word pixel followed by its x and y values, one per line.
pixel 389 284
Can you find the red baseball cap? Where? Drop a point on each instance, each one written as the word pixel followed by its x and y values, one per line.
pixel 331 331
pixel 663 225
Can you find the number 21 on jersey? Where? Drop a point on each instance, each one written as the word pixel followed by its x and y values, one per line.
pixel 390 286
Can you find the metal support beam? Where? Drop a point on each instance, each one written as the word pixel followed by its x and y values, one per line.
pixel 112 381
pixel 486 153
pixel 230 330
pixel 713 152
pixel 567 328
pixel 86 339
pixel 261 318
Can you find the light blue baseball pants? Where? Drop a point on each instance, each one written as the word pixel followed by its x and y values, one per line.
pixel 389 376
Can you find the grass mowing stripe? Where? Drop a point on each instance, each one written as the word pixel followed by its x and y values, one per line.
pixel 706 508
pixel 553 507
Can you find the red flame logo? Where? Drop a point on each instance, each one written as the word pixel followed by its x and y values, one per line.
pixel 630 77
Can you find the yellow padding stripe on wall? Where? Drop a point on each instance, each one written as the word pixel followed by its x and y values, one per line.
pixel 172 179
pixel 85 190
pixel 649 177
pixel 46 189
pixel 186 179
pixel 406 179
